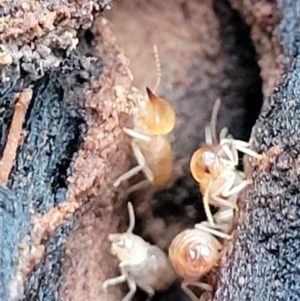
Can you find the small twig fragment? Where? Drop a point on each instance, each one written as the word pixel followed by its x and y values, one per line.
pixel 15 134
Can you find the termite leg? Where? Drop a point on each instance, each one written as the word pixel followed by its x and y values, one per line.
pixel 132 133
pixel 223 191
pixel 189 292
pixel 137 152
pixel 129 174
pixel 229 189
pixel 231 154
pixel 113 281
pixel 223 133
pixel 135 170
pixel 242 146
pixel 223 216
pixel 206 205
pixel 149 290
pixel 138 186
pixel 132 289
pixel 204 226
pixel 220 228
pixel 219 202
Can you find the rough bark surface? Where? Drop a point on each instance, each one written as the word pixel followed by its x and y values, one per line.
pixel 10 215
pixel 63 168
pixel 262 263
pixel 36 35
pixel 262 260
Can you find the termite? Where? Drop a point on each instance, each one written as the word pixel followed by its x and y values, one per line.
pixel 194 252
pixel 154 120
pixel 141 264
pixel 214 167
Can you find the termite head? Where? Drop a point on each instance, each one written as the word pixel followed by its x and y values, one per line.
pixel 193 253
pixel 128 247
pixel 158 115
pixel 205 164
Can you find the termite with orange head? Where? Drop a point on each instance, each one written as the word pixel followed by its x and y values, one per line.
pixel 194 252
pixel 155 118
pixel 141 264
pixel 214 167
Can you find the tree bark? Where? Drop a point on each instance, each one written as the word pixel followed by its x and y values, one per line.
pixel 262 260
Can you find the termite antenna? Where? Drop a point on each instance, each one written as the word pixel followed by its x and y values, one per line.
pixel 131 217
pixel 213 123
pixel 158 67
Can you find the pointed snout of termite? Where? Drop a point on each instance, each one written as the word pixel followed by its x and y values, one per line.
pixel 151 95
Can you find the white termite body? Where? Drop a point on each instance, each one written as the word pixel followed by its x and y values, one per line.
pixel 141 264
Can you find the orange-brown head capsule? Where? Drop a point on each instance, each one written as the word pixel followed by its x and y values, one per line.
pixel 193 253
pixel 158 116
pixel 205 164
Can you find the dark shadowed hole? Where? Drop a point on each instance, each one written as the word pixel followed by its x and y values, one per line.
pixel 246 83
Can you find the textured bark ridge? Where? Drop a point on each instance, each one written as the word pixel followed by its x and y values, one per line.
pixel 10 215
pixel 46 130
pixel 52 137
